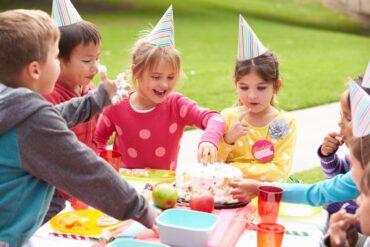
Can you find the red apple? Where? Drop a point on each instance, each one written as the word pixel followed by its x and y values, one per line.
pixel 202 202
pixel 164 195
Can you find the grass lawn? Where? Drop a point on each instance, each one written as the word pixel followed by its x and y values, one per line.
pixel 309 176
pixel 316 58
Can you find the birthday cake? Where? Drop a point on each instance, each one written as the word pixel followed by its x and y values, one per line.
pixel 214 179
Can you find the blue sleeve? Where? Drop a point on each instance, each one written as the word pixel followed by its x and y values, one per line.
pixel 339 188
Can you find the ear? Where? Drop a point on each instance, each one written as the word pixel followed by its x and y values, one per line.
pixel 133 67
pixel 33 70
pixel 278 85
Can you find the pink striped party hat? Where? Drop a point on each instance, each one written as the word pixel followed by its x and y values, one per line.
pixel 249 46
pixel 360 110
pixel 163 34
pixel 366 80
pixel 64 13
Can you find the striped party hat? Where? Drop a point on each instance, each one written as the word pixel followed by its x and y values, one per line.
pixel 366 80
pixel 64 13
pixel 360 110
pixel 163 34
pixel 249 46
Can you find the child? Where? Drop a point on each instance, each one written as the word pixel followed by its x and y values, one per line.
pixel 330 162
pixel 79 50
pixel 341 222
pixel 150 123
pixel 259 139
pixel 339 188
pixel 38 151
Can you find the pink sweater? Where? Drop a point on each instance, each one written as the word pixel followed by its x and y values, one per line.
pixel 152 139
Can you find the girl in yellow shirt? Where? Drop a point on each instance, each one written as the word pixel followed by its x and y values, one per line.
pixel 259 139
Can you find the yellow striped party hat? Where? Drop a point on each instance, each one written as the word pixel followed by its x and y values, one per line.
pixel 64 13
pixel 249 46
pixel 360 110
pixel 366 80
pixel 163 34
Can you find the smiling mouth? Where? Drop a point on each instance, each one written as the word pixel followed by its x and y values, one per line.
pixel 159 93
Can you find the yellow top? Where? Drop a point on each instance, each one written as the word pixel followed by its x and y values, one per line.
pixel 282 135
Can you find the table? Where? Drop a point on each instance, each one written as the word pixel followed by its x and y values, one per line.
pixel 315 227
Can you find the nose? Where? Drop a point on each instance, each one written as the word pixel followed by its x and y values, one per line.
pixel 94 66
pixel 164 84
pixel 252 94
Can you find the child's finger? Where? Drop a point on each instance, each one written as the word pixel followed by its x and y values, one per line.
pixel 243 114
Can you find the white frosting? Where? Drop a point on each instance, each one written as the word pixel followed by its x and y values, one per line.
pixel 197 179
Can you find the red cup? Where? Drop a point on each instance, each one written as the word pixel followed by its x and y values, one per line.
pixel 269 198
pixel 77 205
pixel 270 235
pixel 113 158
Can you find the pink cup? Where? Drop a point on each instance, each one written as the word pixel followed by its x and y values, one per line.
pixel 269 198
pixel 113 158
pixel 270 235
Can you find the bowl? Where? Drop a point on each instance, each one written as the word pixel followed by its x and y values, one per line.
pixel 185 228
pixel 124 242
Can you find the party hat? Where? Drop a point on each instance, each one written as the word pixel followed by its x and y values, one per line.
pixel 249 46
pixel 360 110
pixel 366 80
pixel 163 34
pixel 64 13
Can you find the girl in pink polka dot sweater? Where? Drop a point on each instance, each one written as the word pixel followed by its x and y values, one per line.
pixel 150 123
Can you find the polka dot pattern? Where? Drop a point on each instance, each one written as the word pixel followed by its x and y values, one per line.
pixel 106 121
pixel 253 168
pixel 183 111
pixel 173 165
pixel 144 134
pixel 160 151
pixel 218 119
pixel 132 152
pixel 173 127
pixel 240 144
pixel 286 157
pixel 118 130
pixel 250 142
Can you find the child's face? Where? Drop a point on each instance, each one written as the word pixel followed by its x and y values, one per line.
pixel 154 86
pixel 345 123
pixel 363 211
pixel 49 71
pixel 82 66
pixel 255 93
pixel 357 170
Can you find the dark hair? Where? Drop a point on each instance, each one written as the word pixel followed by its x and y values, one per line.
pixel 365 181
pixel 72 35
pixel 361 149
pixel 265 65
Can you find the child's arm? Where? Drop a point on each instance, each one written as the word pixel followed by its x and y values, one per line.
pixel 82 109
pixel 51 152
pixel 211 122
pixel 103 131
pixel 332 165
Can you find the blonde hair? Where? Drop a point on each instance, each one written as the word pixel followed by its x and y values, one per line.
pixel 146 56
pixel 265 65
pixel 25 36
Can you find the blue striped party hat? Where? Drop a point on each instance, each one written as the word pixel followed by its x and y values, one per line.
pixel 249 46
pixel 163 34
pixel 360 110
pixel 366 80
pixel 64 13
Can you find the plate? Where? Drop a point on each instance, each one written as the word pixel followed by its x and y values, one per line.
pixel 294 211
pixel 149 175
pixel 217 204
pixel 82 222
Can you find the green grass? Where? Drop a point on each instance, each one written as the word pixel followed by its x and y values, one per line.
pixel 318 48
pixel 309 176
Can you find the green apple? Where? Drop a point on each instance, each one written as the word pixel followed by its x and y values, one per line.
pixel 164 195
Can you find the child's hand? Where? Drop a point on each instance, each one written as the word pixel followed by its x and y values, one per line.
pixel 244 189
pixel 207 153
pixel 340 225
pixel 237 129
pixel 331 143
pixel 112 87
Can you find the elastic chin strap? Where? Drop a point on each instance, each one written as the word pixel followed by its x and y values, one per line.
pixel 362 153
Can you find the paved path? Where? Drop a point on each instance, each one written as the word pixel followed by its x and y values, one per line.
pixel 312 125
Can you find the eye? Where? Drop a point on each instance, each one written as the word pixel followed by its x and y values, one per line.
pixel 170 78
pixel 86 61
pixel 155 77
pixel 261 88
